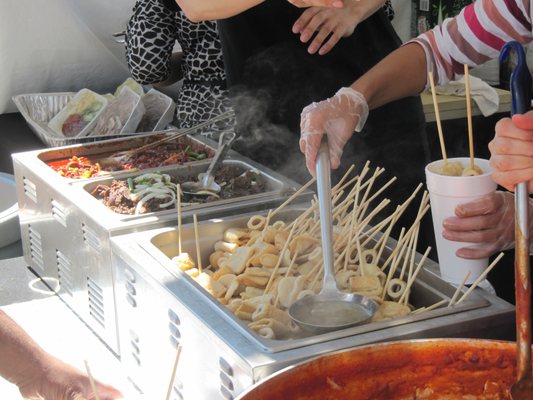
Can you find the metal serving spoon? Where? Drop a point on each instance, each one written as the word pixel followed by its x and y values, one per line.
pixel 330 309
pixel 206 185
pixel 520 84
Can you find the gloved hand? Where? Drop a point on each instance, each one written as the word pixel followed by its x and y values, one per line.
pixel 337 117
pixel 487 221
pixel 512 151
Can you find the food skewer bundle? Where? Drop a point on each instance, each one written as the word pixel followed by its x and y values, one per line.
pixel 455 168
pixel 258 271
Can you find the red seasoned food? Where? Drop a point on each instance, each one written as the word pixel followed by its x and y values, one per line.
pixel 439 369
pixel 76 167
pixel 73 125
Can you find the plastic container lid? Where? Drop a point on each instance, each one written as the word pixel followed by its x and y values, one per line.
pixel 78 117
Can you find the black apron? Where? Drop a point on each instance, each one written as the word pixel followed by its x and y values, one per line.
pixel 271 78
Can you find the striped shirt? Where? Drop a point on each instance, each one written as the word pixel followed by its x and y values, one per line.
pixel 474 36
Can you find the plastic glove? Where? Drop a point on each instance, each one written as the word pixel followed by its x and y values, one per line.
pixel 512 151
pixel 60 381
pixel 487 221
pixel 337 117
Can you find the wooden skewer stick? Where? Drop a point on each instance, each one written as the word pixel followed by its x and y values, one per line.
pixel 469 117
pixel 198 253
pixel 432 307
pixel 178 195
pixel 293 196
pixel 413 278
pixel 91 380
pixel 458 290
pixel 344 177
pixel 480 278
pixel 173 374
pixel 437 117
pixel 276 267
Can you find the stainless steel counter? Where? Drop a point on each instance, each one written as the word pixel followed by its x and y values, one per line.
pixel 53 326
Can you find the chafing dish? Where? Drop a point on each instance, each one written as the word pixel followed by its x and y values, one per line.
pixel 101 150
pixel 275 187
pixel 148 285
pixel 66 231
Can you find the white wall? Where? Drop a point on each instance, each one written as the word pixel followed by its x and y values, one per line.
pixel 60 45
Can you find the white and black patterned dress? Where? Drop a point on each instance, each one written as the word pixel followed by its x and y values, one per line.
pixel 150 37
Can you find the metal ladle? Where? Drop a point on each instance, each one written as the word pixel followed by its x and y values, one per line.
pixel 206 185
pixel 520 84
pixel 330 309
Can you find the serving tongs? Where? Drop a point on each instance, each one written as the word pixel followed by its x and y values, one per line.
pixel 124 156
pixel 520 84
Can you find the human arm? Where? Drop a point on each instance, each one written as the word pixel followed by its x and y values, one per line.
pixel 512 151
pixel 332 24
pixel 150 37
pixel 345 113
pixel 219 9
pixel 403 72
pixel 40 375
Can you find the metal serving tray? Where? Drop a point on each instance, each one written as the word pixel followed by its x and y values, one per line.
pixel 159 307
pixel 276 187
pixel 428 289
pixel 66 232
pixel 99 150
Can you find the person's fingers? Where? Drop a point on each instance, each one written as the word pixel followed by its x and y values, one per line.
pixel 302 23
pixel 489 235
pixel 474 253
pixel 506 128
pixel 514 163
pixel 477 223
pixel 510 146
pixel 510 179
pixel 487 204
pixel 319 39
pixel 320 3
pixel 334 159
pixel 108 392
pixel 312 146
pixel 523 121
pixel 330 44
pixel 314 25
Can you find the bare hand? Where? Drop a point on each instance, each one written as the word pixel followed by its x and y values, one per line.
pixel 488 222
pixel 60 381
pixel 330 25
pixel 319 3
pixel 512 151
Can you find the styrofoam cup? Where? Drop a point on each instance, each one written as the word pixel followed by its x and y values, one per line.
pixel 445 193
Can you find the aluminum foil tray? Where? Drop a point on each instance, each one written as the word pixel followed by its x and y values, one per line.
pixel 429 288
pixel 276 188
pixel 39 108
